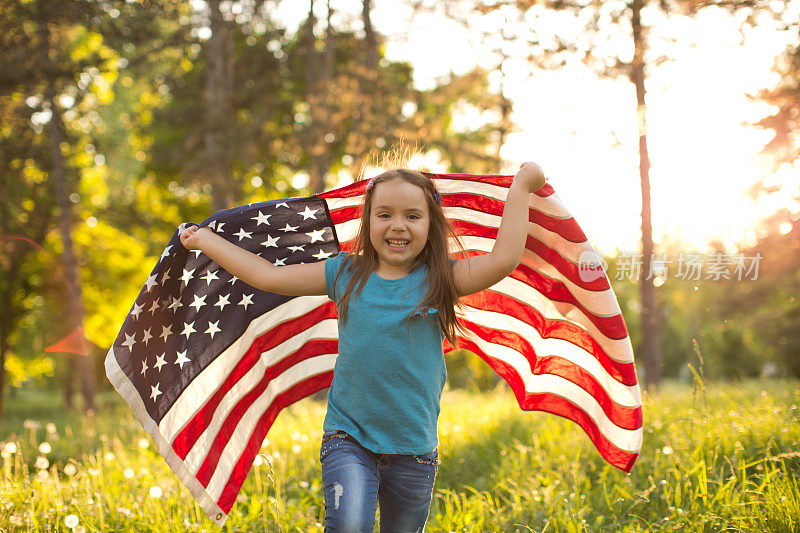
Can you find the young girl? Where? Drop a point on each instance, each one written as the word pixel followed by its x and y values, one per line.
pixel 396 295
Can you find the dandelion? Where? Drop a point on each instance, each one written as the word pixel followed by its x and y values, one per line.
pixel 295 435
pixel 667 450
pixel 30 424
pixel 42 476
pixel 265 443
pixel 10 448
pixel 94 472
pixel 296 448
pixel 128 473
pixel 71 521
pixel 156 492
pixel 16 520
pixel 45 448
pixel 144 443
pixel 258 461
pixel 41 462
pixel 109 456
pixel 70 469
pixel 50 428
pixel 276 454
pixel 303 484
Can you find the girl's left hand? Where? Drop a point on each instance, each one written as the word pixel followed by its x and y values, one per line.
pixel 531 176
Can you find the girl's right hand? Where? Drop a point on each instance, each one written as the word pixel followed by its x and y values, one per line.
pixel 191 237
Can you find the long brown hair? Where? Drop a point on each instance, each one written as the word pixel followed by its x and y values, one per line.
pixel 442 294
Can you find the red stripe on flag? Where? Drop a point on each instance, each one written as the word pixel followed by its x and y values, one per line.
pixel 245 463
pixel 185 439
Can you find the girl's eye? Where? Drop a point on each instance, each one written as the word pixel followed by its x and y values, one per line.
pixel 414 217
pixel 383 215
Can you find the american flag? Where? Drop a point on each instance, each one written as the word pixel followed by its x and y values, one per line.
pixel 207 362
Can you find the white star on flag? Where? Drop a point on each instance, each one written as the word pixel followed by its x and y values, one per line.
pixel 223 301
pixel 130 340
pixel 271 241
pixel 282 204
pixel 166 252
pixel 160 361
pixel 289 228
pixel 151 282
pixel 280 262
pixel 154 392
pixel 154 307
pixel 165 277
pixel 212 328
pixel 247 299
pixel 316 235
pixel 182 359
pixel 136 310
pixel 198 302
pixel 242 234
pixel 166 331
pixel 261 218
pixel 219 227
pixel 188 329
pixel 301 248
pixel 176 303
pixel 209 277
pixel 147 336
pixel 308 213
pixel 187 275
pixel 322 255
pixel 144 366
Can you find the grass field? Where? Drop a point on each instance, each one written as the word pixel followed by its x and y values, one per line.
pixel 721 458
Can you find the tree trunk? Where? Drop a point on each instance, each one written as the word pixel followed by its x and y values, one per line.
pixel 370 40
pixel 5 328
pixel 319 83
pixel 651 347
pixel 72 279
pixel 219 109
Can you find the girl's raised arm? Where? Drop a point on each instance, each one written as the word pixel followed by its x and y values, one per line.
pixel 289 280
pixel 474 274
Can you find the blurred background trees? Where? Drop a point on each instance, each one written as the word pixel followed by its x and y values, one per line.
pixel 153 113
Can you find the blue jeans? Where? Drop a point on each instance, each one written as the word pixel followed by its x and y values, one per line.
pixel 355 479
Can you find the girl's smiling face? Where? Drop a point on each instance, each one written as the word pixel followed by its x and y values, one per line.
pixel 398 226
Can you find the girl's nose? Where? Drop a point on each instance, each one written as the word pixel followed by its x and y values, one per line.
pixel 397 223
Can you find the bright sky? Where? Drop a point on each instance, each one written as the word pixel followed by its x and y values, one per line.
pixel 582 130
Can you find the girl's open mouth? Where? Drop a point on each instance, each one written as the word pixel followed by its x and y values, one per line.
pixel 397 243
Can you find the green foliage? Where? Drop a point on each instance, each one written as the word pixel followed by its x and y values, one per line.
pixel 720 458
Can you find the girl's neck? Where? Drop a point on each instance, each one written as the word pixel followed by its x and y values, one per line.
pixel 387 271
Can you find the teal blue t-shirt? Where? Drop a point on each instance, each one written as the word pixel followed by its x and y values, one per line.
pixel 389 375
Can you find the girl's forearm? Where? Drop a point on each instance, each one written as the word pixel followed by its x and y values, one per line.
pixel 513 233
pixel 248 267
